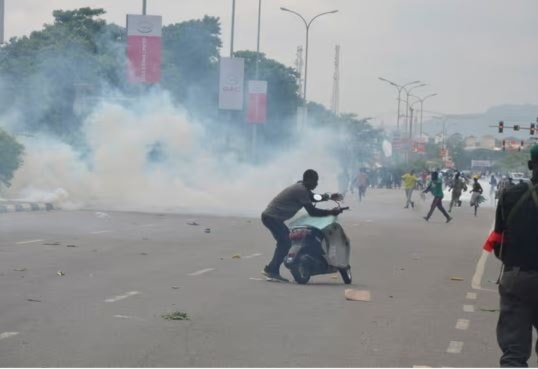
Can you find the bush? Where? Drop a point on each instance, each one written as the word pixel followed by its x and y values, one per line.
pixel 10 157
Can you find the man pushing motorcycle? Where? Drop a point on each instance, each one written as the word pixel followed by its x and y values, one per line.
pixel 283 207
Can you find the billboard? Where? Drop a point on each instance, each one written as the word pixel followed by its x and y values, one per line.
pixel 257 102
pixel 231 83
pixel 144 48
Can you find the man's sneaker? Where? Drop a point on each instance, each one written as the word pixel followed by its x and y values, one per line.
pixel 413 204
pixel 425 218
pixel 273 276
pixel 449 219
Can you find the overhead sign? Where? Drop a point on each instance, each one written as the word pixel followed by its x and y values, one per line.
pixel 257 102
pixel 144 48
pixel 231 83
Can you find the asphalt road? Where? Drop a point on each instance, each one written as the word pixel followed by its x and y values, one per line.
pixel 89 288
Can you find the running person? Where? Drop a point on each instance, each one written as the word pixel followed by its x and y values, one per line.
pixel 436 188
pixel 476 194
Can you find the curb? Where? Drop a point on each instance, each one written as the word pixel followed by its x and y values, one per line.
pixel 25 206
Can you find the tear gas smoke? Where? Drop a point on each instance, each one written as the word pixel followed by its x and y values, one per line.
pixel 188 176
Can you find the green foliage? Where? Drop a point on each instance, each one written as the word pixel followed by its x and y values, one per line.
pixel 10 157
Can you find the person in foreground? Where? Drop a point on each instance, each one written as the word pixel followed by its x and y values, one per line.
pixel 515 242
pixel 283 207
pixel 436 188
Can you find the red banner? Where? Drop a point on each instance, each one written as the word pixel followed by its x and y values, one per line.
pixel 257 102
pixel 144 48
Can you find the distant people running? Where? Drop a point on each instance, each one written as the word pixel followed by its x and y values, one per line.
pixel 410 181
pixel 476 197
pixel 361 182
pixel 436 188
pixel 492 187
pixel 457 186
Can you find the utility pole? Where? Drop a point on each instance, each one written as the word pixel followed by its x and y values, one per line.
pixel 144 7
pixel 255 125
pixel 233 29
pixel 335 101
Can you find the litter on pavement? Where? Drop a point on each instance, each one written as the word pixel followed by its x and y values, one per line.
pixel 357 295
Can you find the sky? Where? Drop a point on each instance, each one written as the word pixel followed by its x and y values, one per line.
pixel 473 53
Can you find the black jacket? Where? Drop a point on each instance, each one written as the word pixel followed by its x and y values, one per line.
pixel 519 225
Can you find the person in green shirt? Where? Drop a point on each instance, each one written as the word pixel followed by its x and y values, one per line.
pixel 457 186
pixel 410 181
pixel 436 188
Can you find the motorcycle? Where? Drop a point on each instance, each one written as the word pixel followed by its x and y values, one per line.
pixel 319 246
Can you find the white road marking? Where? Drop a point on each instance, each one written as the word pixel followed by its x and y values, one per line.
pixel 471 296
pixel 479 271
pixel 26 242
pixel 121 297
pixel 252 256
pixel 455 347
pixel 468 308
pixel 128 317
pixel 201 272
pixel 462 324
pixel 99 232
pixel 8 334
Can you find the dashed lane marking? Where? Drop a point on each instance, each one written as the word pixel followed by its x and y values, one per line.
pixel 455 347
pixel 128 317
pixel 253 255
pixel 468 308
pixel 462 324
pixel 201 272
pixel 470 296
pixel 27 242
pixel 99 232
pixel 479 271
pixel 8 334
pixel 121 297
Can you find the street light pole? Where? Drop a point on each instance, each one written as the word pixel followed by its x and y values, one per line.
pixel 255 126
pixel 233 28
pixel 408 92
pixel 144 7
pixel 307 25
pixel 421 100
pixel 399 88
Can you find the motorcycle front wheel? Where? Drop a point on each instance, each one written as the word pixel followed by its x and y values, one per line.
pixel 346 274
pixel 301 272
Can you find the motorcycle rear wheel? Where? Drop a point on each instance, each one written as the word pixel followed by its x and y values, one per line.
pixel 301 272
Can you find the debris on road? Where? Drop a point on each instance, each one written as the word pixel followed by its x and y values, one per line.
pixel 207 230
pixel 33 300
pixel 178 315
pixel 175 287
pixel 236 256
pixel 456 279
pixel 357 295
pixel 51 244
pixel 71 246
pixel 100 214
pixel 143 253
pixel 20 269
pixel 60 273
pixel 193 224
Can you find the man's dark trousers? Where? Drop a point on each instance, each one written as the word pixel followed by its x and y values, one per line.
pixel 281 233
pixel 519 313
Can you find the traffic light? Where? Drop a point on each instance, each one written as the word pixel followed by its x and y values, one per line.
pixel 533 129
pixel 516 127
pixel 501 126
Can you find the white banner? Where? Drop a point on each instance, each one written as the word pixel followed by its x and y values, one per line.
pixel 480 163
pixel 144 25
pixel 231 83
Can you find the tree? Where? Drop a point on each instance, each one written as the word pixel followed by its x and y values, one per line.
pixel 10 157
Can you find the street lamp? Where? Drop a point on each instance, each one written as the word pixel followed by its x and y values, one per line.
pixel 399 88
pixel 422 107
pixel 408 92
pixel 307 25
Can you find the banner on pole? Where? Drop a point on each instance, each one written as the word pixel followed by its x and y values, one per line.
pixel 144 48
pixel 257 102
pixel 231 83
